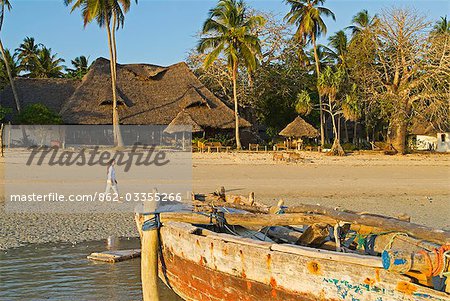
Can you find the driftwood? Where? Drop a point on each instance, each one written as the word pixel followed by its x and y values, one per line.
pixel 378 222
pixel 250 219
pixel 283 233
pixel 221 199
pixel 315 235
pixel 209 206
pixel 360 222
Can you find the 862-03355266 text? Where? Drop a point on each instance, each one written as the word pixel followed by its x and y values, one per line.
pixel 102 197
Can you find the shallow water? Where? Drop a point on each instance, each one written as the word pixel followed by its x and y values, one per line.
pixel 62 272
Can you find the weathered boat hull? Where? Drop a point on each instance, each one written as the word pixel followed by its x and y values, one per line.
pixel 192 281
pixel 203 265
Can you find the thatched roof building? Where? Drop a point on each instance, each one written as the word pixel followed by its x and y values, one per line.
pixel 147 94
pixel 53 92
pixel 299 128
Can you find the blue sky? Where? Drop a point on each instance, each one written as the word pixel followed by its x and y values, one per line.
pixel 158 31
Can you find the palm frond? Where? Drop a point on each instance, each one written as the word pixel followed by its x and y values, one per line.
pixel 229 30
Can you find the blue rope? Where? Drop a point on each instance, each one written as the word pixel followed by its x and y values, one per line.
pixel 152 223
pixel 219 219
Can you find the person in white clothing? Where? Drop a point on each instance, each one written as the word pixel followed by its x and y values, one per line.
pixel 111 182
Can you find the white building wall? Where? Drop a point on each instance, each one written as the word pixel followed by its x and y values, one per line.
pixel 424 143
pixel 443 142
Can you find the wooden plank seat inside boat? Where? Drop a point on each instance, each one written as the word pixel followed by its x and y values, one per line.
pixel 204 265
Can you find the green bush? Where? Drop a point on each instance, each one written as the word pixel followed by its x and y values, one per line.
pixel 195 140
pixel 4 112
pixel 38 113
pixel 224 139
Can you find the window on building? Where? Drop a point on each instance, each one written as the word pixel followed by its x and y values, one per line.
pixel 442 137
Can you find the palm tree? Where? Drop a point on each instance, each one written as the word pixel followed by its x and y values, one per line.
pixel 108 14
pixel 325 55
pixel 441 26
pixel 14 66
pixel 5 4
pixel 229 31
pixel 339 43
pixel 307 16
pixel 28 51
pixel 81 67
pixel 362 22
pixel 46 64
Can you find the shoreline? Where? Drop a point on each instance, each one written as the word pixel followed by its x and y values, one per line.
pixel 416 184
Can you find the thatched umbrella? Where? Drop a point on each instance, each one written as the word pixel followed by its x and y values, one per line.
pixel 183 123
pixel 299 128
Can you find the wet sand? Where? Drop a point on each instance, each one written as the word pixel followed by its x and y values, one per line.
pixel 418 185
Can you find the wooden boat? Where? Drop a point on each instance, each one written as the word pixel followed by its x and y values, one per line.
pixel 206 257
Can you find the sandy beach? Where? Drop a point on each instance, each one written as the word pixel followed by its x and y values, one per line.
pixel 418 185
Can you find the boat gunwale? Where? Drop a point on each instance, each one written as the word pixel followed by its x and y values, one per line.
pixel 302 251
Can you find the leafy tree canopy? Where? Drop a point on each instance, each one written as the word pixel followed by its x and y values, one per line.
pixel 38 113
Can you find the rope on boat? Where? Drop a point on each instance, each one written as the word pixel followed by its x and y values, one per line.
pixel 442 260
pixel 162 260
pixel 392 239
pixel 222 223
pixel 368 241
pixel 152 223
pixel 220 220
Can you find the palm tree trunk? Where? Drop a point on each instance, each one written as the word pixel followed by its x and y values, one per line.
pixel 236 112
pixel 316 58
pixel 14 91
pixel 116 120
pixel 11 80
